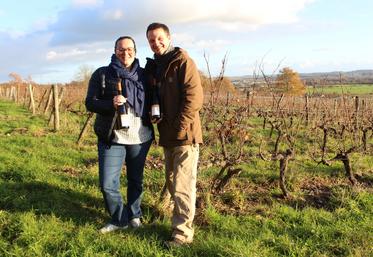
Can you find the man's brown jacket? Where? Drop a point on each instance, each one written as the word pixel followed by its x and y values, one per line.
pixel 181 99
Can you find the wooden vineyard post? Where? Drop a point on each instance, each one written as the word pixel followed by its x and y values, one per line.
pixel 306 107
pixel 32 102
pixel 56 109
pixel 13 94
pixel 85 127
pixel 48 101
pixel 357 108
pixel 42 98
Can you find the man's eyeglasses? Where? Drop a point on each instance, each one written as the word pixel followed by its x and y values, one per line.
pixel 129 50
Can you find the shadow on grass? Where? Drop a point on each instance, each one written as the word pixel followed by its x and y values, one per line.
pixel 43 198
pixel 365 179
pixel 161 232
pixel 317 193
pixel 335 170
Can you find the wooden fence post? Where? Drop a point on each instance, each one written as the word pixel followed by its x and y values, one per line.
pixel 49 101
pixel 306 107
pixel 252 99
pixel 85 127
pixel 61 96
pixel 335 106
pixel 13 94
pixel 26 97
pixel 18 92
pixel 7 93
pixel 42 98
pixel 248 102
pixel 32 102
pixel 357 108
pixel 56 109
pixel 227 103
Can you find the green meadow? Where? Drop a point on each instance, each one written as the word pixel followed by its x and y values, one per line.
pixel 356 89
pixel 51 205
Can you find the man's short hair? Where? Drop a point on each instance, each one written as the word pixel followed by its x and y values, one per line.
pixel 124 37
pixel 157 25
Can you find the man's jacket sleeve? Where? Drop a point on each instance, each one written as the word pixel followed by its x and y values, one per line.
pixel 191 96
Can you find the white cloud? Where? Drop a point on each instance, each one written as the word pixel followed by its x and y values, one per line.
pixel 186 40
pixel 213 46
pixel 52 55
pixel 112 17
pixel 16 34
pixel 103 50
pixel 86 3
pixel 322 49
pixel 23 55
pixel 84 33
pixel 245 12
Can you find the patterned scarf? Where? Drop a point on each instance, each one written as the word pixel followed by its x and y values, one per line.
pixel 133 89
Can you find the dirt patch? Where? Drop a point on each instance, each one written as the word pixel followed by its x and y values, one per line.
pixel 70 171
pixel 154 163
pixel 88 163
pixel 318 193
pixel 237 199
pixel 366 179
pixel 15 131
pixel 39 132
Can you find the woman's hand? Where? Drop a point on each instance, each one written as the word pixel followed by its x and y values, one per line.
pixel 119 100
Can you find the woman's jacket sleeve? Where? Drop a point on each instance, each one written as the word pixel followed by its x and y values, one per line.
pixel 95 101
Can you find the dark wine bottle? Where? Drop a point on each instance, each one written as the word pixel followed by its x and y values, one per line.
pixel 155 108
pixel 123 119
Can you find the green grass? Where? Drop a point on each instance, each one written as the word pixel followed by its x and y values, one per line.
pixel 51 205
pixel 358 89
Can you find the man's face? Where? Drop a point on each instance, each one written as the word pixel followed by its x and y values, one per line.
pixel 125 51
pixel 158 40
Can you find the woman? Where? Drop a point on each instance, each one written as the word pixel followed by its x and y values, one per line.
pixel 116 145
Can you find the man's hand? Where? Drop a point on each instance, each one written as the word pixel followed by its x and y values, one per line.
pixel 155 121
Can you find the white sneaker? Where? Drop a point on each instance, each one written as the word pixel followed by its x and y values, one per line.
pixel 135 223
pixel 110 228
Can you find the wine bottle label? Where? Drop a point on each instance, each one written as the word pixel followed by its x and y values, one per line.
pixel 155 110
pixel 124 121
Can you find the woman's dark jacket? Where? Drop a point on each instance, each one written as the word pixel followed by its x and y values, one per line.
pixel 101 90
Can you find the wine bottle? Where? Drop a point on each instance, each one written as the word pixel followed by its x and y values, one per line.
pixel 155 108
pixel 123 119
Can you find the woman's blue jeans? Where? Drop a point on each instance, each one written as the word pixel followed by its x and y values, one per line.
pixel 111 159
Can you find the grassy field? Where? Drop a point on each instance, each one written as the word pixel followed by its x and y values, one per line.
pixel 51 205
pixel 342 89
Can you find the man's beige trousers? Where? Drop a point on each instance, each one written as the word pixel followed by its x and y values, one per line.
pixel 181 178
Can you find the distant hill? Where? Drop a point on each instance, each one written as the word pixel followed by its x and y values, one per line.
pixel 357 76
pixel 316 78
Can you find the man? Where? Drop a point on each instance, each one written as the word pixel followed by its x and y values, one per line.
pixel 181 98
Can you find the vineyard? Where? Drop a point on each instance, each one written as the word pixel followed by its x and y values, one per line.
pixel 279 175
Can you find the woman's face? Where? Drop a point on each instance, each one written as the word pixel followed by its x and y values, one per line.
pixel 125 51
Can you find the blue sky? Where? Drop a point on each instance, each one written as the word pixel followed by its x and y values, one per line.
pixel 51 40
